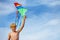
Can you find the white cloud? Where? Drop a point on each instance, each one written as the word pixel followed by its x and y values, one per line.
pixel 6 8
pixel 44 2
pixel 54 3
pixel 46 34
pixel 53 22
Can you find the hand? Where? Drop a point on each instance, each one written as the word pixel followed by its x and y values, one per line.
pixel 24 17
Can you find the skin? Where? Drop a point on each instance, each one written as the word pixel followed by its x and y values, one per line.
pixel 14 35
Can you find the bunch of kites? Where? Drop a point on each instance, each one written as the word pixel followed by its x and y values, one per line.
pixel 21 12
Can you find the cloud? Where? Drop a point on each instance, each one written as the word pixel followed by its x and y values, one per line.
pixel 54 3
pixel 45 34
pixel 43 2
pixel 6 8
pixel 53 22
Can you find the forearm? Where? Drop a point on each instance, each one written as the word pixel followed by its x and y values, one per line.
pixel 23 21
pixel 22 25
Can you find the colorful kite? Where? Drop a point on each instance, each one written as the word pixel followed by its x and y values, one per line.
pixel 21 11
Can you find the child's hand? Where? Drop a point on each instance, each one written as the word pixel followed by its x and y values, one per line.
pixel 24 17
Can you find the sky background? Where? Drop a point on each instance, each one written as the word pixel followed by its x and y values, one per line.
pixel 42 23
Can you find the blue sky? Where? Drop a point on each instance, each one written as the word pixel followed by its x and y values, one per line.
pixel 42 23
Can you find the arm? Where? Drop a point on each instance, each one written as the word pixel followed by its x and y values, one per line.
pixel 22 25
pixel 9 37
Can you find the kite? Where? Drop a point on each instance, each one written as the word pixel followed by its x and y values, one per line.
pixel 21 13
pixel 20 9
